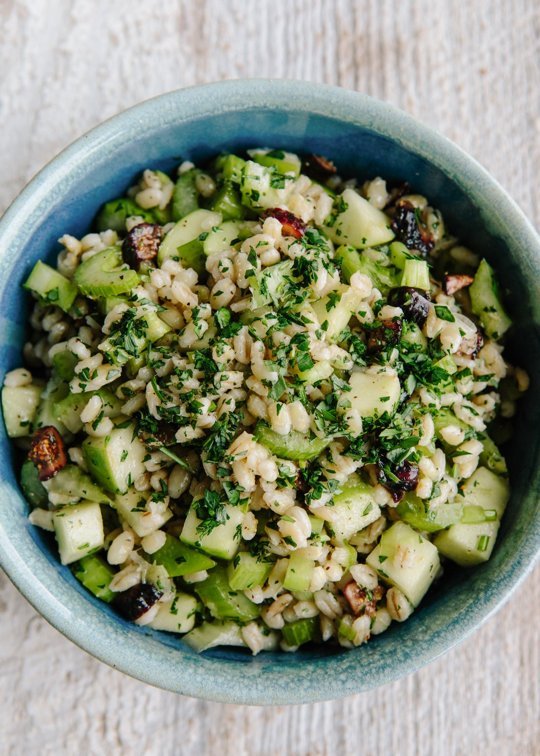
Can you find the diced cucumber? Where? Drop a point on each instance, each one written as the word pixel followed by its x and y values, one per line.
pixel 418 514
pixel 352 510
pixel 156 328
pixel 105 274
pixel 283 162
pixel 211 634
pixel 491 457
pixel 75 485
pixel 51 286
pixel 133 508
pixel 334 314
pixel 223 236
pixel 64 364
pixel 319 372
pixel 180 559
pixel 295 445
pixel 96 575
pixel 185 198
pixel 262 188
pixel 68 410
pixel 407 560
pixel 300 632
pixel 34 491
pixel 416 274
pixel 375 391
pixel 52 394
pixel 375 265
pixel 20 405
pixel 412 334
pixel 228 203
pixel 271 284
pixel 358 223
pixel 223 541
pixel 246 571
pixel 469 543
pixel 231 166
pixel 221 601
pixel 486 302
pixel 350 261
pixel 399 254
pixel 115 461
pixel 299 572
pixel 79 530
pixel 177 615
pixel 184 242
pixel 113 214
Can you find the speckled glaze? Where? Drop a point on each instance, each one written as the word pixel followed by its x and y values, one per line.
pixel 364 137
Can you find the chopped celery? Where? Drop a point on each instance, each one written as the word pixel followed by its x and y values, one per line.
pixel 211 634
pixel 180 559
pixel 221 601
pixel 281 161
pixel 105 274
pixel 295 445
pixel 228 203
pixel 486 302
pixel 96 575
pixel 418 514
pixel 416 274
pixel 185 198
pixel 300 632
pixel 299 572
pixel 247 571
pixel 51 286
pixel 113 214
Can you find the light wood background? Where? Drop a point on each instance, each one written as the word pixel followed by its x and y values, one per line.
pixel 469 69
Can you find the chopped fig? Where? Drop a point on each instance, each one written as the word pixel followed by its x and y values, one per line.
pixel 472 345
pixel 290 224
pixel 406 474
pixel 454 283
pixel 409 229
pixel 361 600
pixel 413 302
pixel 318 167
pixel 388 333
pixel 47 452
pixel 141 244
pixel 137 600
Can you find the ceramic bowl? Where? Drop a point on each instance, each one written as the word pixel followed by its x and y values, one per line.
pixel 365 138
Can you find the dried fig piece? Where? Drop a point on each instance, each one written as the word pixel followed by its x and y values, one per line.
pixel 137 600
pixel 456 282
pixel 413 302
pixel 290 224
pixel 318 167
pixel 47 452
pixel 388 333
pixel 409 228
pixel 141 244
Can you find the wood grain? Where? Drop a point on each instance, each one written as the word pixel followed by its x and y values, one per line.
pixel 471 70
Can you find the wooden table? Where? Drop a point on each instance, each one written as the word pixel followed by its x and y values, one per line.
pixel 471 70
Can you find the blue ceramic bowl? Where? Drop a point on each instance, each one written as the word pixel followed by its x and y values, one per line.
pixel 365 138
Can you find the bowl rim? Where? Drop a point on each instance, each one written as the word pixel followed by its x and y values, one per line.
pixel 209 681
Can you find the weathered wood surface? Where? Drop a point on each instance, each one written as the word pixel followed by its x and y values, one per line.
pixel 472 70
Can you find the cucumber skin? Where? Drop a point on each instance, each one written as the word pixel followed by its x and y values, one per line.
pixel 179 559
pixel 96 575
pixel 34 491
pixel 294 446
pixel 43 280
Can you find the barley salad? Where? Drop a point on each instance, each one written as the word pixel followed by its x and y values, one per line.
pixel 261 403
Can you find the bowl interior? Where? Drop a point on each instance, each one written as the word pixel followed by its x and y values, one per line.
pixel 365 139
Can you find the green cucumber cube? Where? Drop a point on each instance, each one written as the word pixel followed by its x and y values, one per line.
pixel 51 286
pixel 64 364
pixel 20 405
pixel 115 461
pixel 228 203
pixel 211 634
pixel 33 489
pixel 183 241
pixel 335 314
pixel 79 530
pixel 177 615
pixel 247 571
pixel 180 559
pixel 223 541
pixel 300 632
pixel 471 543
pixel 73 483
pixel 358 223
pixel 96 575
pixel 352 510
pixel 406 560
pixel 486 302
pixel 375 391
pixel 133 508
pixel 299 572
pixel 222 601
